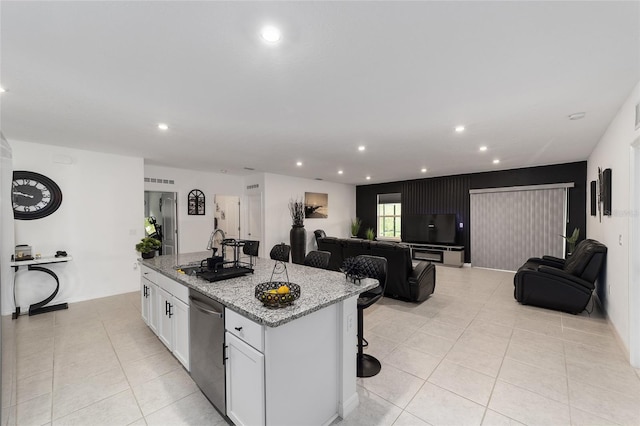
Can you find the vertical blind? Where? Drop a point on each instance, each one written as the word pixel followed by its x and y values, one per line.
pixel 510 225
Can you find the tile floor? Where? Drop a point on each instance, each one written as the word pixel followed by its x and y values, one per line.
pixel 468 355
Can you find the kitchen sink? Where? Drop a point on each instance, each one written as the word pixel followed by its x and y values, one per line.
pixel 193 270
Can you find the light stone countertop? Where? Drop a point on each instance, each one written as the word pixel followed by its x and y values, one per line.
pixel 318 287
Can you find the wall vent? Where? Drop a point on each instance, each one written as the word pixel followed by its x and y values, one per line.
pixel 249 168
pixel 159 180
pixel 254 186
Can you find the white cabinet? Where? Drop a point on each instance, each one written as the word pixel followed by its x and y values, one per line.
pixel 149 294
pixel 245 382
pixel 180 320
pixel 165 325
pixel 287 375
pixel 165 309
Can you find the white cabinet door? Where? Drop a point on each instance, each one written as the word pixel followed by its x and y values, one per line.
pixel 165 327
pixel 152 314
pixel 245 383
pixel 144 299
pixel 180 318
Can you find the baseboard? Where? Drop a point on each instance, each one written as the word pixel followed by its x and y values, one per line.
pixel 349 405
pixel 616 335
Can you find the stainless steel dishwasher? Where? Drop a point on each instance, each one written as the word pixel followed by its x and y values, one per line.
pixel 206 329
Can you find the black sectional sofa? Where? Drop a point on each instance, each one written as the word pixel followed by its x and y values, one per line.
pixel 403 280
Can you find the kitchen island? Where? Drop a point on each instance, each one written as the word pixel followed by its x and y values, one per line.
pixel 294 365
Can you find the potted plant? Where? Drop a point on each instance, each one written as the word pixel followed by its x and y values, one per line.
pixel 355 227
pixel 370 234
pixel 572 240
pixel 148 246
pixel 297 235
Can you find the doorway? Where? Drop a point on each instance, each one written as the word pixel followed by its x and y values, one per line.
pixel 254 219
pixel 634 255
pixel 160 212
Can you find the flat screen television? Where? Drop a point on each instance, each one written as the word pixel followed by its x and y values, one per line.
pixel 429 228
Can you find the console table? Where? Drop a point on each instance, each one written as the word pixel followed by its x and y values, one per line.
pixel 447 255
pixel 40 308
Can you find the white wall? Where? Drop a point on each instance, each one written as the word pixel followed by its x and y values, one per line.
pixel 7 232
pixel 613 151
pixel 280 189
pixel 194 230
pixel 98 223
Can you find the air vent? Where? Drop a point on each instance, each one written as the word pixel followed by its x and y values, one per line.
pixel 254 186
pixel 318 178
pixel 249 168
pixel 159 180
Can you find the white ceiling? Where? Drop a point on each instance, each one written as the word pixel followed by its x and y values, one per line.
pixel 396 77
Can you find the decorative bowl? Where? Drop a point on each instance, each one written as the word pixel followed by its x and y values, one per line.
pixel 264 292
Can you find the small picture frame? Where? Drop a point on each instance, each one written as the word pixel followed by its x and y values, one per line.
pixel 196 202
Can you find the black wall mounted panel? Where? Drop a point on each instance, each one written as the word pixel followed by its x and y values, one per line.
pixel 606 192
pixel 594 198
pixel 450 194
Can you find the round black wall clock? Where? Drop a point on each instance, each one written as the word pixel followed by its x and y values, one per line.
pixel 34 195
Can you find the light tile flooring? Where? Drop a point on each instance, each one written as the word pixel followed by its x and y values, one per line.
pixel 469 354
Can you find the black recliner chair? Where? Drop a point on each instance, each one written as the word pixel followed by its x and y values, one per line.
pixel 561 284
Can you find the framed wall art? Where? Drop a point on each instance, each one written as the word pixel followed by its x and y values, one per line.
pixel 195 202
pixel 316 205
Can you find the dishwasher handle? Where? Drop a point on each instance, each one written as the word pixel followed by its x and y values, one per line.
pixel 199 306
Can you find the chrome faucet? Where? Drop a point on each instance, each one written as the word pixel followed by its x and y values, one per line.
pixel 212 239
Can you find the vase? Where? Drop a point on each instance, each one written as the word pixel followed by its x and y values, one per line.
pixel 298 239
pixel 149 255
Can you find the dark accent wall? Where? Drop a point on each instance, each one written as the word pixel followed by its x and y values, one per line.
pixel 450 194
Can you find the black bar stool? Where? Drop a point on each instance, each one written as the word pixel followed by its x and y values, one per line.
pixel 371 267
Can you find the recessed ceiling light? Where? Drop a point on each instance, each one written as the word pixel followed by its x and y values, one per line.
pixel 424 170
pixel 577 116
pixel 340 172
pixel 270 34
pixel 459 129
pixel 368 177
pixel 496 161
pixel 299 163
pixel 361 148
pixel 163 126
pixel 483 148
pixel 2 89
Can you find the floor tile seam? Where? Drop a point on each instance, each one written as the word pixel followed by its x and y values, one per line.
pixel 546 371
pixel 85 406
pixel 124 373
pixel 486 408
pixel 538 393
pixel 35 373
pixel 175 402
pixel 454 393
pixel 601 366
pixel 502 379
pixel 602 388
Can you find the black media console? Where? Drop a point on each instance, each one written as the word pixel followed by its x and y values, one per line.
pixel 447 255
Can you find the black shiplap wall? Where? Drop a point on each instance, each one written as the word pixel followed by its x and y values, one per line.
pixel 450 194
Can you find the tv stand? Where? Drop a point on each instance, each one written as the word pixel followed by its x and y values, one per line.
pixel 447 255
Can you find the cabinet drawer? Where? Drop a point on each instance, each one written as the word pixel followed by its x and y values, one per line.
pixel 149 274
pixel 175 288
pixel 247 330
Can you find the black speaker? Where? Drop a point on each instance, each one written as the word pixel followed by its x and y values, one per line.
pixel 594 198
pixel 606 192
